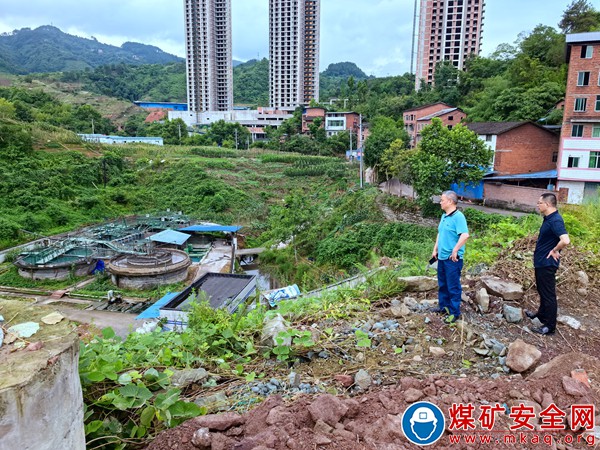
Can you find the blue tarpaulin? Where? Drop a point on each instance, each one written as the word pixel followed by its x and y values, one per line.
pixel 170 237
pixel 211 228
pixel 153 311
pixel 273 297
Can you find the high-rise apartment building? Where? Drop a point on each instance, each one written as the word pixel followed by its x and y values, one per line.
pixel 208 55
pixel 294 52
pixel 449 30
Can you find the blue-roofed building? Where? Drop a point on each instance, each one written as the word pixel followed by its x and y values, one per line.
pixel 170 238
pixel 169 106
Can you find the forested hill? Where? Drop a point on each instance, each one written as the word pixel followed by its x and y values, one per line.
pixel 48 49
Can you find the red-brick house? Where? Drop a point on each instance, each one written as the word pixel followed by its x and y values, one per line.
pixel 332 122
pixel 524 162
pixel 579 153
pixel 416 119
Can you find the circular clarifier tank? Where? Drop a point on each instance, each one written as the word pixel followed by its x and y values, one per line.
pixel 165 266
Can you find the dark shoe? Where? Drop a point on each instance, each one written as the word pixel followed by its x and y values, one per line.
pixel 542 330
pixel 451 319
pixel 530 315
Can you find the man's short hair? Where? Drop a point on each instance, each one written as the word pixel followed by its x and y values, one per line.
pixel 451 195
pixel 550 199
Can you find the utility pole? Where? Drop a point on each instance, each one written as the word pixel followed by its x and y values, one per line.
pixel 93 125
pixel 360 146
pixel 412 44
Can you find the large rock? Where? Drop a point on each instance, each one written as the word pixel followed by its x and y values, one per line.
pixel 570 321
pixel 420 283
pixel 522 356
pixel 219 422
pixel 512 314
pixel 502 288
pixel 327 408
pixel 362 379
pixel 185 377
pixel 582 279
pixel 271 329
pixel 483 300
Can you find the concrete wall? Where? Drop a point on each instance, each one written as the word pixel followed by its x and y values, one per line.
pixel 55 273
pixel 150 281
pixel 512 197
pixel 394 187
pixel 41 404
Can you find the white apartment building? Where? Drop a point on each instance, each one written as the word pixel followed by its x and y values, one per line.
pixel 294 28
pixel 208 55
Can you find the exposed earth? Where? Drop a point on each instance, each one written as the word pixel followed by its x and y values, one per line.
pixel 354 398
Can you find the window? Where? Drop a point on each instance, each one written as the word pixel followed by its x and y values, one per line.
pixel 597 102
pixel 450 117
pixel 594 160
pixel 583 78
pixel 488 137
pixel 554 156
pixel 596 131
pixel 580 104
pixel 573 161
pixel 587 51
pixel 577 131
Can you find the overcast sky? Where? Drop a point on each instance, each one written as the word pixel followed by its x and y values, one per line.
pixel 374 34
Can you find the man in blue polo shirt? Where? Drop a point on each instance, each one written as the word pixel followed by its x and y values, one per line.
pixel 546 258
pixel 449 249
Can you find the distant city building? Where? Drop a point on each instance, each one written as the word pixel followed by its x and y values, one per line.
pixel 293 52
pixel 208 55
pixel 449 30
pixel 579 151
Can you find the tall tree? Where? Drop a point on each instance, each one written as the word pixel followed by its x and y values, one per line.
pixel 445 156
pixel 579 17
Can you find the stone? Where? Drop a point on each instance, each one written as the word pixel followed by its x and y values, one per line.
pixel 344 380
pixel 419 283
pixel 34 346
pixel 582 279
pixel 24 330
pixel 362 379
pixel 411 303
pixel 501 288
pixel 583 292
pixel 322 428
pixel 547 400
pixel 279 415
pixel 294 379
pixel 569 321
pixel 574 387
pixel 512 314
pixel 53 318
pixel 429 303
pixel 185 377
pixel 327 408
pixel 344 434
pixel 202 439
pixel 437 351
pixel 412 395
pixel 522 356
pixel 322 440
pixel 219 422
pixel 483 300
pixel 215 402
pixel 400 311
pixel 581 376
pixel 271 329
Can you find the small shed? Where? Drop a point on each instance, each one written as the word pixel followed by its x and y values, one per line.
pixel 170 238
pixel 221 290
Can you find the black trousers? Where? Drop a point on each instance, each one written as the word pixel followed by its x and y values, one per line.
pixel 545 280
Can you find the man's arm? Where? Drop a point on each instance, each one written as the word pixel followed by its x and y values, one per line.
pixel 564 240
pixel 461 241
pixel 435 247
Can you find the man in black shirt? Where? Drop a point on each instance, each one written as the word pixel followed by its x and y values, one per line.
pixel 546 257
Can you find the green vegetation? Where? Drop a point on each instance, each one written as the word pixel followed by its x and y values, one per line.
pixel 47 49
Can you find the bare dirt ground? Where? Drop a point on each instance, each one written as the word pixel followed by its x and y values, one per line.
pixel 344 416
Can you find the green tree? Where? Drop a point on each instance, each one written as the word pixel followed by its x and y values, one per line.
pixel 395 161
pixel 579 17
pixel 384 131
pixel 7 109
pixel 445 156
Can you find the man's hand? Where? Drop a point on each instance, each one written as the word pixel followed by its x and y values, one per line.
pixel 454 255
pixel 554 254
